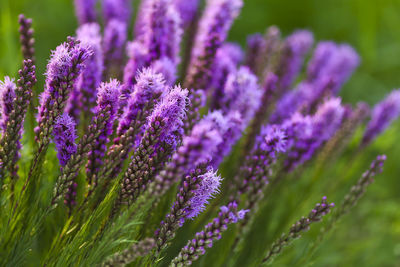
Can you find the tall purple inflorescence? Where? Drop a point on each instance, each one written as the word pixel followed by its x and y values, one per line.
pixel 195 190
pixel 208 186
pixel 64 137
pixel 85 11
pixel 294 50
pixel 211 232
pixel 147 91
pixel 335 62
pixel 7 97
pixel 163 130
pixel 116 15
pixel 307 134
pixel 213 29
pixel 65 65
pixel 12 117
pixel 107 105
pixel 198 147
pixel 382 115
pixel 187 10
pixel 83 97
pixel 116 9
pixel 242 94
pixel 162 30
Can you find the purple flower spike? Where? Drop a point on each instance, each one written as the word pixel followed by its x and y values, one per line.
pixel 198 147
pixel 163 124
pixel 26 37
pixel 208 186
pixel 66 63
pixel 64 137
pixel 12 114
pixel 307 134
pixel 382 115
pixel 117 9
pixel 256 44
pixel 194 192
pixel 227 58
pixel 171 110
pixel 83 97
pixel 328 119
pixel 115 36
pixel 231 133
pixel 253 175
pixel 7 98
pixel 167 68
pixel 242 94
pixel 187 10
pixel 107 105
pixel 137 54
pixel 211 233
pixel 162 30
pixel 295 48
pixel 149 87
pixel 85 10
pixel 213 29
pixel 332 62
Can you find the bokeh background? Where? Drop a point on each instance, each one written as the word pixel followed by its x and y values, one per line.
pixel 370 236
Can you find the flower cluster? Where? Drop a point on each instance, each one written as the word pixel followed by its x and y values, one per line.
pixel 129 137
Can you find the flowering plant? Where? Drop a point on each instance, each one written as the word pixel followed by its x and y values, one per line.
pixel 143 135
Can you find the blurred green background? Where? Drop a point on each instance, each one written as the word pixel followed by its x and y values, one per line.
pixel 371 235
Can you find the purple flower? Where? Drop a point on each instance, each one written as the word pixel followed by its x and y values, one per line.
pixel 83 95
pixel 208 186
pixel 13 109
pixel 256 45
pixel 85 10
pixel 64 137
pixel 167 68
pixel 163 125
pixel 382 115
pixel 333 62
pixel 26 37
pixel 328 119
pixel 116 9
pixel 115 36
pixel 200 146
pixel 194 192
pixel 306 134
pixel 187 10
pixel 107 105
pixel 272 140
pixel 202 143
pixel 227 58
pixel 162 30
pixel 170 110
pixel 137 54
pixel 242 94
pixel 65 65
pixel 291 102
pixel 149 87
pixel 211 232
pixel 295 48
pixel 253 175
pixel 7 99
pixel 213 29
